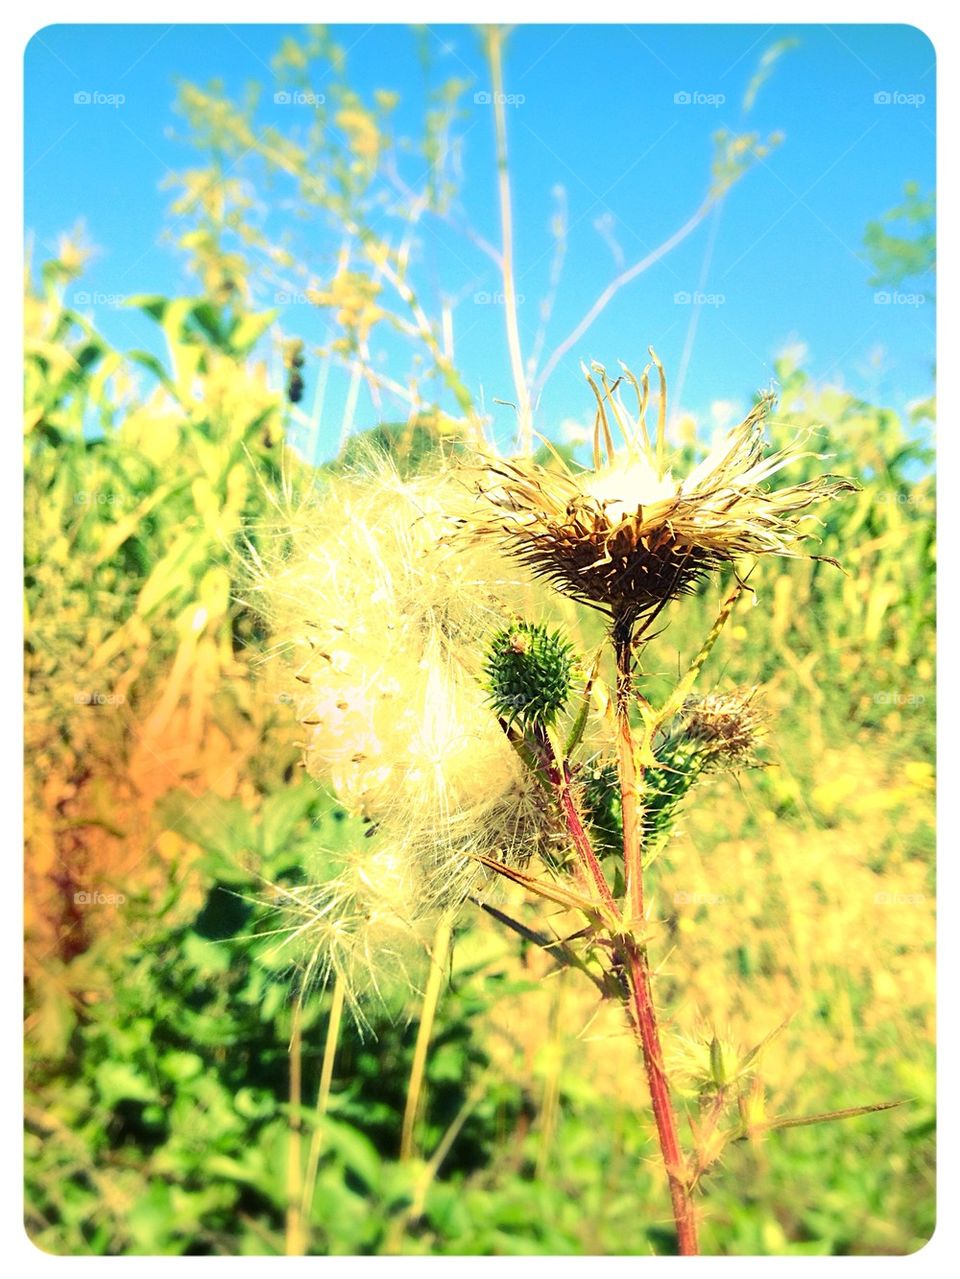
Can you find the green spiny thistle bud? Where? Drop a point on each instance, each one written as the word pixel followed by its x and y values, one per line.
pixel 663 790
pixel 679 765
pixel 711 734
pixel 529 670
pixel 603 808
pixel 709 1062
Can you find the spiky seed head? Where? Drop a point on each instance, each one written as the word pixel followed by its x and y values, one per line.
pixel 627 535
pixel 725 728
pixel 529 670
pixel 714 733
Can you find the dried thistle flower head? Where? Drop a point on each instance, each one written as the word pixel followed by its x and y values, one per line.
pixel 628 535
pixel 714 733
pixel 379 609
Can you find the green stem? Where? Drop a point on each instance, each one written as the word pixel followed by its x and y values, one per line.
pixel 629 778
pixel 294 1236
pixel 431 997
pixel 323 1096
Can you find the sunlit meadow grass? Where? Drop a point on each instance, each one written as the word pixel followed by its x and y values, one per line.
pixel 801 888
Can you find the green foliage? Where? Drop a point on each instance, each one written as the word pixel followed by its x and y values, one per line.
pixel 902 244
pixel 664 788
pixel 158 1109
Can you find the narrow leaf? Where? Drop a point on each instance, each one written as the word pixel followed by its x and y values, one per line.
pixel 580 723
pixel 801 1121
pixel 543 888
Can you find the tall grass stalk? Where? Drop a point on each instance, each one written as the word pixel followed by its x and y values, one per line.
pixel 429 1172
pixel 495 37
pixel 334 1024
pixel 295 1238
pixel 439 954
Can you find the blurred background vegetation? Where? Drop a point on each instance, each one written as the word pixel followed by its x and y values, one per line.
pixel 162 787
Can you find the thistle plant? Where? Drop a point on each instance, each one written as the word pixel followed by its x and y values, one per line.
pixel 443 701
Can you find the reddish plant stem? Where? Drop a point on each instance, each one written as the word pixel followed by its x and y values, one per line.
pixel 559 775
pixel 631 954
pixel 636 961
pixel 644 1017
pixel 640 1008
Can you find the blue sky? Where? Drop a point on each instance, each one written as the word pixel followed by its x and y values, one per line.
pixel 782 261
